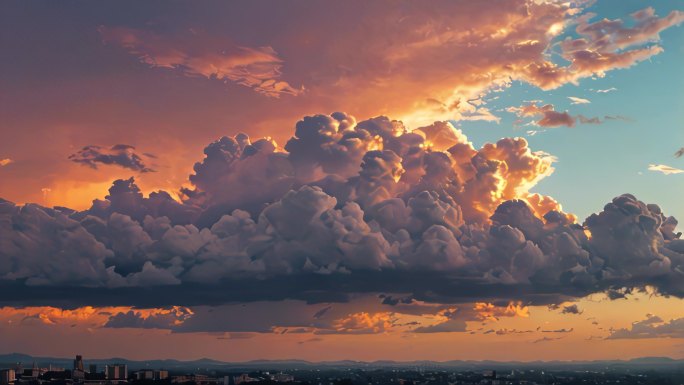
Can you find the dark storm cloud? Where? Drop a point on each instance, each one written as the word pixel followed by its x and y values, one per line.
pixel 122 155
pixel 367 207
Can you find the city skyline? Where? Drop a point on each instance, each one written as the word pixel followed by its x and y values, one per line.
pixel 359 180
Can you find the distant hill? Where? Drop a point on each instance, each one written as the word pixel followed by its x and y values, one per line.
pixel 7 360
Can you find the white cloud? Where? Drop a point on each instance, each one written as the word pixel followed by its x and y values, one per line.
pixel 576 100
pixel 607 90
pixel 667 170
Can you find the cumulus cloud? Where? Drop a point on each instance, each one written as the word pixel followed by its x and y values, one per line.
pixel 122 155
pixel 198 54
pixel 651 327
pixel 665 169
pixel 346 208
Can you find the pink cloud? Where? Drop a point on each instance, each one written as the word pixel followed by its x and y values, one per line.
pixel 258 68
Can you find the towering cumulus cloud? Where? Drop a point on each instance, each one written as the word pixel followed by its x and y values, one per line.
pixel 344 208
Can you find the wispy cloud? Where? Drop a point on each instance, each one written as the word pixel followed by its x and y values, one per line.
pixel 258 68
pixel 679 152
pixel 607 90
pixel 122 155
pixel 667 170
pixel 547 116
pixel 5 161
pixel 576 100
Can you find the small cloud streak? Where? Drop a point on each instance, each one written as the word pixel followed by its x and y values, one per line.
pixel 122 155
pixel 576 100
pixel 546 116
pixel 665 169
pixel 5 162
pixel 679 153
pixel 571 309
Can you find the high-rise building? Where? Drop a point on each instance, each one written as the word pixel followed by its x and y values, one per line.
pixel 78 363
pixel 116 372
pixel 7 376
pixel 92 368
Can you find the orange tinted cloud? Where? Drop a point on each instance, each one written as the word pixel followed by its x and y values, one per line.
pixel 489 311
pixel 256 68
pixel 363 323
pixel 87 316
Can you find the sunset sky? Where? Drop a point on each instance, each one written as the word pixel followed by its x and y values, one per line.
pixel 342 180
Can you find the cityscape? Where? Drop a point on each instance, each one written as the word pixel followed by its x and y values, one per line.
pixel 648 371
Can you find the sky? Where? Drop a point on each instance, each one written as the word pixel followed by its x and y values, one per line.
pixel 354 180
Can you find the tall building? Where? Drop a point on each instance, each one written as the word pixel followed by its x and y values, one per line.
pixel 116 372
pixel 78 363
pixel 92 368
pixel 7 376
pixel 149 374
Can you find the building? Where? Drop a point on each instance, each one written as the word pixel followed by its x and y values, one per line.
pixel 32 373
pixel 197 379
pixel 244 378
pixel 116 372
pixel 7 376
pixel 148 374
pixel 282 377
pixel 92 368
pixel 78 363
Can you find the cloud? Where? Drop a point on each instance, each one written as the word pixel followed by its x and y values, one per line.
pixel 351 208
pixel 571 309
pixel 652 327
pixel 5 162
pixel 122 155
pixel 310 340
pixel 607 90
pixel 602 46
pixel 362 323
pixel 197 54
pixel 444 73
pixel 548 116
pixel 546 339
pixel 158 319
pixel 667 170
pixel 576 100
pixel 679 153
